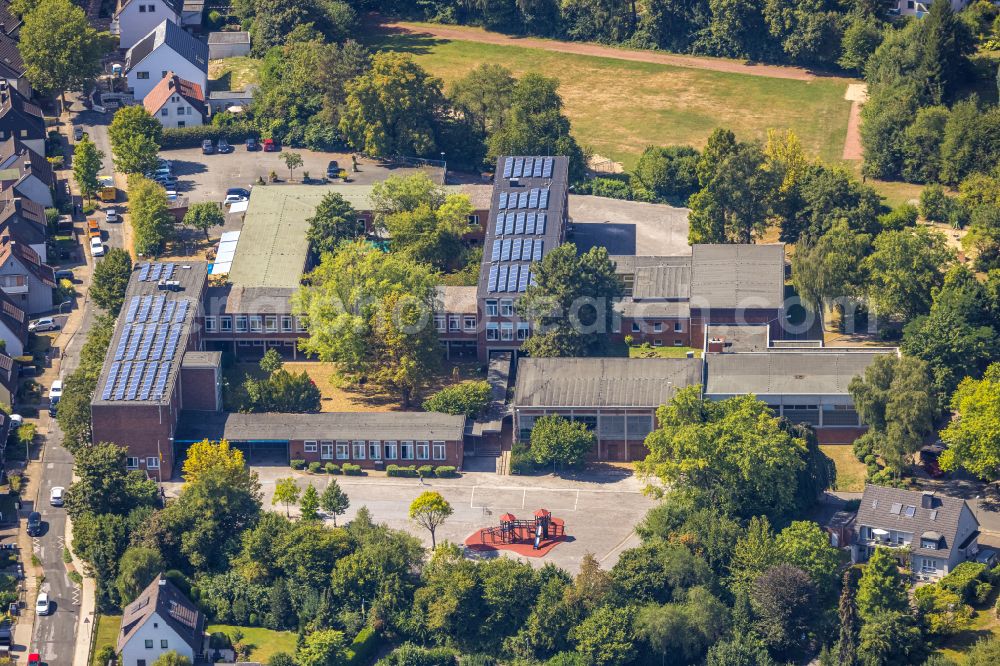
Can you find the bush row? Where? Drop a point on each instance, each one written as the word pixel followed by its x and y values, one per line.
pixel 443 471
pixel 191 137
pixel 964 579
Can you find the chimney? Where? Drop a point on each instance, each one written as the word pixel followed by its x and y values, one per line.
pixel 927 500
pixel 716 345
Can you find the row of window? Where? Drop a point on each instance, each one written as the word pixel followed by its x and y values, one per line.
pixel 658 327
pixel 505 331
pixel 149 643
pixel 253 324
pixel 360 449
pixel 505 306
pixel 454 324
pixel 634 427
pixel 181 111
pixel 152 462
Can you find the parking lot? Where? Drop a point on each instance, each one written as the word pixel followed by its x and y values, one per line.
pixel 207 177
pixel 600 510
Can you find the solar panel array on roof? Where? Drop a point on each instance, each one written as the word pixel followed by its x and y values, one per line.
pixel 536 197
pixel 149 272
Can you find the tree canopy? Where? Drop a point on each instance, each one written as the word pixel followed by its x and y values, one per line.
pixel 110 280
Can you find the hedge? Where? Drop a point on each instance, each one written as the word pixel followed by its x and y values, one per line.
pixel 963 578
pixel 352 470
pixel 363 647
pixel 191 137
pixel 398 470
pixel 315 467
pixel 426 470
pixel 445 471
pixel 297 463
pixel 332 468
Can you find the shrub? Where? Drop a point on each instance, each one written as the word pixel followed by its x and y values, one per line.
pixel 863 447
pixel 332 468
pixel 521 461
pixel 297 464
pixel 254 620
pixel 315 467
pixel 611 188
pixel 983 591
pixel 996 608
pixel 191 137
pixel 352 470
pixel 398 470
pixel 363 647
pixel 426 470
pixel 934 203
pixel 445 471
pixel 105 655
pixel 852 505
pixel 963 578
pixel 470 398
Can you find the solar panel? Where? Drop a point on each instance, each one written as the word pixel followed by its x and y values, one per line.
pixel 168 271
pixel 133 343
pixel 495 254
pixel 122 377
pixel 528 166
pixel 533 199
pixel 529 223
pixel 110 384
pixel 181 313
pixel 154 275
pixel 537 171
pixel 537 256
pixel 168 311
pixel 522 200
pixel 503 200
pixel 526 250
pixel 543 199
pixel 492 284
pixel 519 223
pixel 508 167
pixel 161 341
pixel 509 224
pixel 505 250
pixel 502 277
pixel 522 283
pixel 122 343
pixel 540 224
pixel 161 381
pixel 518 167
pixel 172 339
pixel 134 381
pixel 143 272
pixel 132 307
pixel 515 249
pixel 157 310
pixel 547 169
pixel 143 314
pixel 512 278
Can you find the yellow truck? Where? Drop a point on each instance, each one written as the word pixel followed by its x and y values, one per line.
pixel 107 191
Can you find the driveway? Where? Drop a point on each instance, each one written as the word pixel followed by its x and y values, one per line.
pixel 600 510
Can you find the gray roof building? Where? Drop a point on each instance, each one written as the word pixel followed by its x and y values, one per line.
pixel 738 276
pixel 455 300
pixel 182 42
pixel 786 372
pixel 603 382
pixel 162 599
pixel 663 282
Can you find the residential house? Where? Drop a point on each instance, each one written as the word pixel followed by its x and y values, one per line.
pixel 12 69
pixel 223 100
pixel 26 173
pixel 24 220
pixel 13 327
pixel 920 8
pixel 8 384
pixel 228 45
pixel 25 278
pixel 168 48
pixel 21 119
pixel 160 620
pixel 930 533
pixel 176 102
pixel 134 19
pixel 10 23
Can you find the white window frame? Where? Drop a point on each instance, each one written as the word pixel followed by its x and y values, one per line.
pixel 374 449
pixel 439 323
pixel 454 324
pixel 210 324
pixel 491 308
pixel 391 449
pixel 343 450
pixel 678 327
pixel 438 451
pixel 423 450
pixel 657 327
pixel 241 323
pixel 152 462
pixel 326 449
pixel 358 449
pixel 309 446
pixel 286 324
pixel 470 323
pixel 271 323
pixel 506 331
pixel 256 323
pixel 492 331
pixel 300 325
pixel 523 329
pixel 506 307
pixel 225 324
pixel 406 446
pixel 132 462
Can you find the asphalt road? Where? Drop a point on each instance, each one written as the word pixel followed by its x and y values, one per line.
pixel 96 126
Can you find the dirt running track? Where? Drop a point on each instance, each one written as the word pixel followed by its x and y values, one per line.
pixel 469 34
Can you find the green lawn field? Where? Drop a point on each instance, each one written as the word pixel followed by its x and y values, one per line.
pixel 107 635
pixel 618 107
pixel 265 642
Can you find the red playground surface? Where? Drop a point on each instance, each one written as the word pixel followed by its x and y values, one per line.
pixel 531 538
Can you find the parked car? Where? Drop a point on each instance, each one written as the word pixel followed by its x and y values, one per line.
pixel 56 496
pixel 65 274
pixel 111 215
pixel 55 391
pixel 333 169
pixel 207 148
pixel 252 144
pixel 96 247
pixel 171 194
pixel 34 523
pixel 93 228
pixel 77 133
pixel 223 147
pixel 235 194
pixel 166 180
pixel 42 605
pixel 270 146
pixel 16 420
pixel 43 324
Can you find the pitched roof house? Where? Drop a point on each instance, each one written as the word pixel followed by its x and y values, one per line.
pixel 176 102
pixel 932 533
pixel 134 19
pixel 160 620
pixel 24 220
pixel 13 327
pixel 26 172
pixel 12 67
pixel 20 118
pixel 167 48
pixel 25 278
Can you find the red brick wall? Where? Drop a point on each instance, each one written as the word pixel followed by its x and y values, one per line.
pixel 145 430
pixel 454 452
pixel 647 333
pixel 200 389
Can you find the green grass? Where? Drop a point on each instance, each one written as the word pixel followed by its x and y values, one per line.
pixel 265 642
pixel 851 472
pixel 107 634
pixel 619 107
pixel 985 624
pixel 620 350
pixel 232 73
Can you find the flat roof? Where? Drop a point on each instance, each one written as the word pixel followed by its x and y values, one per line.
pixel 602 382
pixel 628 227
pixel 737 276
pixel 786 372
pixel 151 334
pixel 202 359
pixel 741 338
pixel 455 300
pixel 399 426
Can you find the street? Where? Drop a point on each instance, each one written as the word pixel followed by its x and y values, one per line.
pixel 96 126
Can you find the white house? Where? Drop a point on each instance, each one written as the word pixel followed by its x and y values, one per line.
pixel 21 119
pixel 26 173
pixel 134 19
pixel 168 48
pixel 26 280
pixel 919 8
pixel 13 329
pixel 161 619
pixel 24 220
pixel 176 102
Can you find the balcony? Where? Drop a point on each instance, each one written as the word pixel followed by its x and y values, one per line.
pixel 15 288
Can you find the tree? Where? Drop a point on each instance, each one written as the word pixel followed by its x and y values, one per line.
pixel 309 506
pixel 203 216
pixel 110 280
pixel 560 441
pixel 571 303
pixel 483 96
pixel 152 222
pixel 946 43
pixel 133 120
pixel 136 154
pixel 934 203
pixel 271 361
pixel 282 391
pixel 59 48
pixel 984 653
pixel 943 612
pixel 404 194
pixel 172 658
pixel 904 268
pixel 105 486
pixel 393 108
pixel 804 545
pixel 684 630
pixel 333 222
pixel 536 125
pixel 606 637
pixel 973 438
pixel 847 611
pixel 666 174
pixel 286 492
pixel 137 569
pixel 87 164
pixel 828 269
pixel 430 510
pixel 280 613
pixel 469 398
pixel 323 647
pixel 861 37
pixel 292 161
pixel 754 553
pixel 784 602
pixel 891 638
pixel 741 649
pixel 432 236
pixel 369 312
pixel 334 500
pixel 881 587
pixel 206 455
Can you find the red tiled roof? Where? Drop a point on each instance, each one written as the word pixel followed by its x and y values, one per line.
pixel 174 85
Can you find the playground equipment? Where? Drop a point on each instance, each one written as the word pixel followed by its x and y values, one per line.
pixel 511 530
